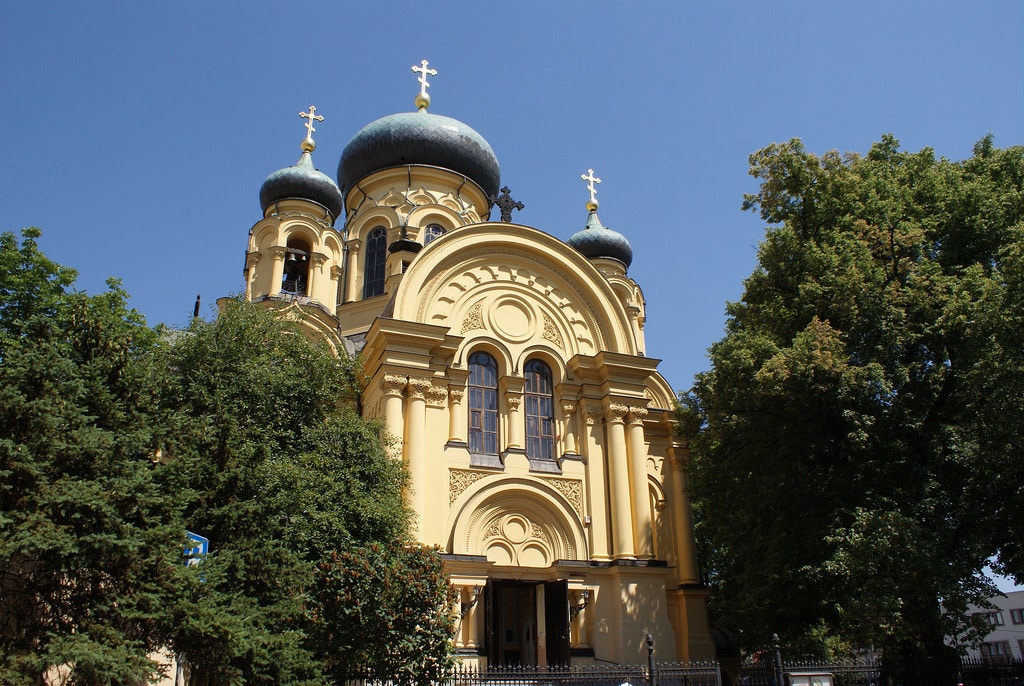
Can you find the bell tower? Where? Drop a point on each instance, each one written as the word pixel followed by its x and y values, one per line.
pixel 295 254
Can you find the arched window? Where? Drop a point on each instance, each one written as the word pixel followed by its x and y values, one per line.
pixel 483 404
pixel 431 232
pixel 295 275
pixel 376 255
pixel 540 411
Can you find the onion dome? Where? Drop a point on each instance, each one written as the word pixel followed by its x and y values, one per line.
pixel 303 181
pixel 419 138
pixel 596 241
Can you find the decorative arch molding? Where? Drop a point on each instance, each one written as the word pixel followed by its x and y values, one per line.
pixel 370 219
pixel 517 521
pixel 557 292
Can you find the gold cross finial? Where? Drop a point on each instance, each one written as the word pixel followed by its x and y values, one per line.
pixel 591 180
pixel 308 145
pixel 423 100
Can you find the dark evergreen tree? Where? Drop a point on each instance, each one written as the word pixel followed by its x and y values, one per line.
pixel 90 540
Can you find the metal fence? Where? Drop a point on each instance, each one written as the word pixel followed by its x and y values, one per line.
pixel 664 674
pixel 954 672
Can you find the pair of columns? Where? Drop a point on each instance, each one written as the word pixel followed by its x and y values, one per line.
pixel 631 518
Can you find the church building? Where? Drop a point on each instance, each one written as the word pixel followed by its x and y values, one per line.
pixel 508 365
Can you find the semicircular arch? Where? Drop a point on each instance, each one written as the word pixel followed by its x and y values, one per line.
pixel 516 521
pixel 516 267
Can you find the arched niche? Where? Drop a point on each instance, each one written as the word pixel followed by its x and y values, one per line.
pixel 517 522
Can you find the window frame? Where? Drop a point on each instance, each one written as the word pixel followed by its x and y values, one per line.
pixel 374 274
pixel 483 430
pixel 539 414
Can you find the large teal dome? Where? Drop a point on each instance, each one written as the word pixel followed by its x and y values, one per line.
pixel 419 138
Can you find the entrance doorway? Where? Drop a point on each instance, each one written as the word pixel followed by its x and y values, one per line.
pixel 527 623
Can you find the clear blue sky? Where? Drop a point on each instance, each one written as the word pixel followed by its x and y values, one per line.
pixel 137 134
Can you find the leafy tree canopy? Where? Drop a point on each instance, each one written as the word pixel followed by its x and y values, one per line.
pixel 856 449
pixel 285 479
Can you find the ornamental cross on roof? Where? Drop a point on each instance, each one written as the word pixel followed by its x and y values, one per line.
pixel 506 204
pixel 423 100
pixel 591 180
pixel 310 116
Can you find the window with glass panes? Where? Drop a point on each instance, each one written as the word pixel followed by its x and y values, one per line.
pixel 431 232
pixel 540 411
pixel 376 256
pixel 483 404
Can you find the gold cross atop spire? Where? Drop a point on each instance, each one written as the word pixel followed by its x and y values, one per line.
pixel 423 100
pixel 308 145
pixel 591 180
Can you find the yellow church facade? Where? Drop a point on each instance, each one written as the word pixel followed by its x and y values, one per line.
pixel 508 367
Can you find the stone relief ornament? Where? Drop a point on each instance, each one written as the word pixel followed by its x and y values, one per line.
pixel 474 318
pixel 461 479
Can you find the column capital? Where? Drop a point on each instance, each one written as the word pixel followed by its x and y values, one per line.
pixel 393 384
pixel 637 414
pixel 514 400
pixel 568 408
pixel 418 387
pixel 616 412
pixel 252 259
pixel 437 395
pixel 456 393
pixel 279 253
pixel 593 413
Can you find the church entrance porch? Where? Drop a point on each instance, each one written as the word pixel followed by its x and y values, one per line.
pixel 527 623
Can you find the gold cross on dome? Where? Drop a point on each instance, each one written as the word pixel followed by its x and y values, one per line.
pixel 424 72
pixel 311 116
pixel 591 180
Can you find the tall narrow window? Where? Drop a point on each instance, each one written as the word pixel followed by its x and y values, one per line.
pixel 431 232
pixel 483 404
pixel 540 411
pixel 376 255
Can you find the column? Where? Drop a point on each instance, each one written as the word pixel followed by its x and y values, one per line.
pixel 336 274
pixel 313 278
pixel 351 270
pixel 618 468
pixel 642 533
pixel 682 519
pixel 277 272
pixel 513 390
pixel 251 260
pixel 569 446
pixel 593 443
pixel 456 415
pixel 415 450
pixel 393 387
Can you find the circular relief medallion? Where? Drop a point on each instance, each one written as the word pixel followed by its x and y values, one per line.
pixel 515 529
pixel 513 319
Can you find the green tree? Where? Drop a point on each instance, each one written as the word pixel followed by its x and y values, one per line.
pixel 855 448
pixel 90 540
pixel 283 477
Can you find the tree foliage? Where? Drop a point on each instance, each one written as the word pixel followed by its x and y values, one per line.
pixel 116 438
pixel 90 543
pixel 283 477
pixel 856 448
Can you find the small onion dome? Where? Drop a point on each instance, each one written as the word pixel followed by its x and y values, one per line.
pixel 419 138
pixel 303 181
pixel 596 241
